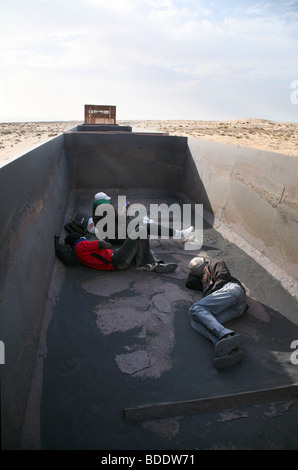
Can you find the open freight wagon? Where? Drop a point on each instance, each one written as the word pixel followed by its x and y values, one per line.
pixel 97 360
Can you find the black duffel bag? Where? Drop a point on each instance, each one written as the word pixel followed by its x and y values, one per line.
pixel 78 223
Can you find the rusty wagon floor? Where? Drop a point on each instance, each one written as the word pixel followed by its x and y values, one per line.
pixel 117 342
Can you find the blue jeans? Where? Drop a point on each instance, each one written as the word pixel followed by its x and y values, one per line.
pixel 223 305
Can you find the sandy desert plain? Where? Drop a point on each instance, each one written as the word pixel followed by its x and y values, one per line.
pixel 16 138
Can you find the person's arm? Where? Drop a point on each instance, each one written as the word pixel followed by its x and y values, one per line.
pixel 193 282
pixel 220 274
pixel 103 244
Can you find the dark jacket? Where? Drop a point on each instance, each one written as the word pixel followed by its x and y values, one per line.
pixel 210 276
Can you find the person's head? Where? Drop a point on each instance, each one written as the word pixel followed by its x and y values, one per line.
pixel 101 196
pixel 196 262
pixel 72 238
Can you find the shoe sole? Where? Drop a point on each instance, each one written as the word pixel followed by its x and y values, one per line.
pixel 226 345
pixel 143 268
pixel 166 268
pixel 224 362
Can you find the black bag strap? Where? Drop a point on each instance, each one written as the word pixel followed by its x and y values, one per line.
pixel 104 260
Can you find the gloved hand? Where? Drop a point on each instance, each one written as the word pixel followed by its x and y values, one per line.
pixel 104 244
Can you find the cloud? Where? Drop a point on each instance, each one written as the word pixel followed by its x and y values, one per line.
pixel 158 52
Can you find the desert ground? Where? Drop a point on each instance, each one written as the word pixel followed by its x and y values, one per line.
pixel 18 137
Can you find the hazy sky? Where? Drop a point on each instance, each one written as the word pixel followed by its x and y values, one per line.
pixel 153 59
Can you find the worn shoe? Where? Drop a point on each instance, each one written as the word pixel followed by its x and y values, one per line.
pixel 187 233
pixel 226 345
pixel 228 360
pixel 165 267
pixel 146 267
pixel 146 220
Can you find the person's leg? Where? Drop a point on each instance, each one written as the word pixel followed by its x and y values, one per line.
pixel 231 341
pixel 208 314
pixel 206 317
pixel 222 305
pixel 159 230
pixel 202 330
pixel 138 249
pixel 133 248
pixel 207 310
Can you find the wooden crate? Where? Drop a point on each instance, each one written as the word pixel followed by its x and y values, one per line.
pixel 100 114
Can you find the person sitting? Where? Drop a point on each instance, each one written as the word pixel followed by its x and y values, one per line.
pixel 123 218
